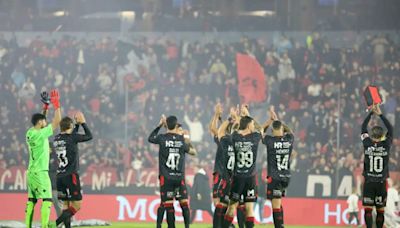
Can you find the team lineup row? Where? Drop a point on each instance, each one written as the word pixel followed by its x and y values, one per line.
pixel 235 183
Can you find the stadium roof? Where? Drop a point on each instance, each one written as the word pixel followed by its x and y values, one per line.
pixel 221 15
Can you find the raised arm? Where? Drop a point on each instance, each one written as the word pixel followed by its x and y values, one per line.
pixel 80 119
pixel 153 135
pixel 187 119
pixel 272 118
pixel 190 148
pixel 45 99
pixel 55 100
pixel 364 126
pixel 222 129
pixel 213 127
pixel 266 125
pixel 286 129
pixel 388 125
pixel 76 129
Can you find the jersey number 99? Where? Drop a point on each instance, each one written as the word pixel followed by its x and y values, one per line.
pixel 245 159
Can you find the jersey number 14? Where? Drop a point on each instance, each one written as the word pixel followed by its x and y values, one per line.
pixel 282 162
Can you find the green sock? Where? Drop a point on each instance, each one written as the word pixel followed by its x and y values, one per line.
pixel 45 213
pixel 30 206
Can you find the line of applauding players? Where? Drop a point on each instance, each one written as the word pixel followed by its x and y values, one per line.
pixel 235 181
pixel 235 177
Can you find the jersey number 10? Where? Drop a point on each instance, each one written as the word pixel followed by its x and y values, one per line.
pixel 375 164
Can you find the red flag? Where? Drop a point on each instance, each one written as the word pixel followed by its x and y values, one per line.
pixel 372 96
pixel 251 78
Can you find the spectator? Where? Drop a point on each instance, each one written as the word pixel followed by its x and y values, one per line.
pixel 218 67
pixel 285 68
pixel 380 44
pixel 195 128
pixel 200 195
pixel 391 210
pixel 352 202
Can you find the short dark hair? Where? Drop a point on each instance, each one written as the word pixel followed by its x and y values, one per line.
pixel 65 123
pixel 276 125
pixel 172 121
pixel 36 118
pixel 229 128
pixel 377 132
pixel 244 122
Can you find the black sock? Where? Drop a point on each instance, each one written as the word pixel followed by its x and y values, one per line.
pixel 67 222
pixel 169 207
pixel 380 218
pixel 249 222
pixel 241 216
pixel 350 217
pixel 185 213
pixel 358 221
pixel 192 215
pixel 160 214
pixel 277 214
pixel 368 217
pixel 219 214
pixel 221 218
pixel 65 215
pixel 227 221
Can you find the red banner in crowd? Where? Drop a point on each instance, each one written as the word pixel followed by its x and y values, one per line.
pixel 251 78
pixel 141 208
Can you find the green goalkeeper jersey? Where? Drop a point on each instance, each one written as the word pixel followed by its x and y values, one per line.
pixel 39 150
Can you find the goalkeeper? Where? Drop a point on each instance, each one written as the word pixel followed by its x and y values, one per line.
pixel 39 185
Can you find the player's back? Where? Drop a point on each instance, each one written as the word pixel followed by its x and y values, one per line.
pixel 66 148
pixel 39 149
pixel 172 155
pixel 245 147
pixel 279 150
pixel 218 163
pixel 376 159
pixel 227 155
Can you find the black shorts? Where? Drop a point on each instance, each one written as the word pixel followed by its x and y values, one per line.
pixel 69 187
pixel 375 194
pixel 171 189
pixel 276 189
pixel 224 190
pixel 245 187
pixel 216 184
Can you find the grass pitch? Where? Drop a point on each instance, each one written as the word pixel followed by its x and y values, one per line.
pixel 152 225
